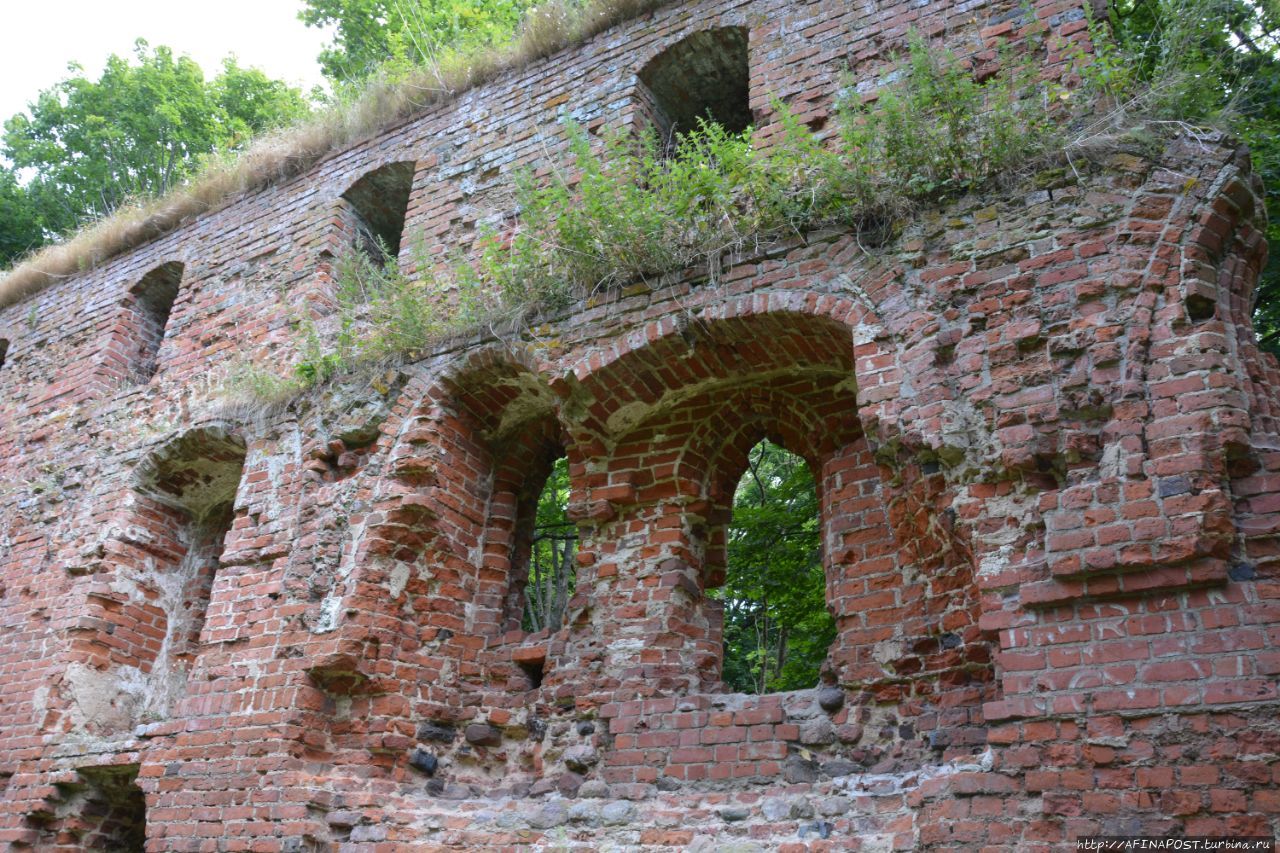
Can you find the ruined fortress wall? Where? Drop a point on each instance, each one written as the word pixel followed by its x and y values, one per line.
pixel 1046 447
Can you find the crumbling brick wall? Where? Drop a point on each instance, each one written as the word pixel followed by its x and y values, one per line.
pixel 1045 444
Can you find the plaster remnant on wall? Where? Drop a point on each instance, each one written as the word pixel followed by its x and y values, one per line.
pixel 105 702
pixel 398 577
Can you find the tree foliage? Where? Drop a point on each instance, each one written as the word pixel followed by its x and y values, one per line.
pixel 372 33
pixel 553 548
pixel 139 130
pixel 19 225
pixel 1213 61
pixel 776 625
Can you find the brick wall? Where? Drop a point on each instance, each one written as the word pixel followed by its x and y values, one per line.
pixel 1045 443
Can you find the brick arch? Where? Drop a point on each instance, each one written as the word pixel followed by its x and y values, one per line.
pixel 150 579
pixel 716 455
pixel 744 336
pixel 707 437
pixel 430 581
pixel 703 76
pixel 811 416
pixel 673 409
pixel 130 352
pixel 666 411
pixel 371 211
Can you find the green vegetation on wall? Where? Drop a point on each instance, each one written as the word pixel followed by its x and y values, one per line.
pixel 629 211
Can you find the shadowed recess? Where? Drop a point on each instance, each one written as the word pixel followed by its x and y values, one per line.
pixel 379 200
pixel 704 76
pixel 699 355
pixel 197 472
pixel 154 296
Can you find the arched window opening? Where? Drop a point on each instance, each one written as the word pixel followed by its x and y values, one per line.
pixel 702 78
pixel 153 298
pixel 549 571
pixel 777 628
pixel 377 205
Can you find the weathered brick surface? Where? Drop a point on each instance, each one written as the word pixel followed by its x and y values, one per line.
pixel 1047 450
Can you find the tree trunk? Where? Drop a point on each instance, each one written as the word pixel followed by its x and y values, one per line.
pixel 562 582
pixel 782 649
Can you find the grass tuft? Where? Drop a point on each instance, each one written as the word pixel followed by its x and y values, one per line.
pixel 279 155
pixel 627 210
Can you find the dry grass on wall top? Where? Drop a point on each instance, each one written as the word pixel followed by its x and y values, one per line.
pixel 288 152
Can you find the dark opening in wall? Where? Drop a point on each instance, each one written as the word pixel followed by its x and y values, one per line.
pixel 534 671
pixel 777 627
pixel 704 76
pixel 4 350
pixel 544 564
pixel 153 299
pixel 106 810
pixel 377 207
pixel 187 493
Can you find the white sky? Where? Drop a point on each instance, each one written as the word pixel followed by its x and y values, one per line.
pixel 39 37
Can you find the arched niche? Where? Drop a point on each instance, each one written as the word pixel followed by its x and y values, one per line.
pixel 704 77
pixel 374 211
pixel 674 408
pixel 149 307
pixel 131 659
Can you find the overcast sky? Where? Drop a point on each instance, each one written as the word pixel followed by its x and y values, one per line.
pixel 39 37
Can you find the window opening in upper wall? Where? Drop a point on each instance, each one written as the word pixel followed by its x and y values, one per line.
pixel 153 297
pixel 703 77
pixel 378 202
pixel 551 568
pixel 4 350
pixel 777 628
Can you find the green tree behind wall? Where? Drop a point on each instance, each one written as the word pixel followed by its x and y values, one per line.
pixel 369 34
pixel 20 230
pixel 1216 61
pixel 554 545
pixel 87 146
pixel 776 625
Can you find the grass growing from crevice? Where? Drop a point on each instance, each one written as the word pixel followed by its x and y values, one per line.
pixel 941 130
pixel 379 318
pixel 626 211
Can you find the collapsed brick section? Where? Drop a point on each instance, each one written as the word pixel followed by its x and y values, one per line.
pixel 1044 439
pixel 96 808
pixel 129 653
